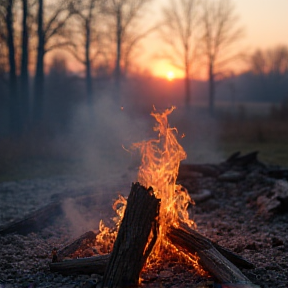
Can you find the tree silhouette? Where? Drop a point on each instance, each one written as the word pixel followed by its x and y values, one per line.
pixel 220 33
pixel 13 93
pixel 87 44
pixel 124 15
pixel 24 77
pixel 53 28
pixel 179 31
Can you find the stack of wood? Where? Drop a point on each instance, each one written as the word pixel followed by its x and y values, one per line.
pixel 123 266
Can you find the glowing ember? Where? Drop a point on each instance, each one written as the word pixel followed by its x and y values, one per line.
pixel 159 169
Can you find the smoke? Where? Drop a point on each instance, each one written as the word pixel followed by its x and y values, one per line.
pixel 98 135
pixel 201 135
pixel 101 135
pixel 79 224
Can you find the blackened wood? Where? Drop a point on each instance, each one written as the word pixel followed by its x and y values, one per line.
pixel 82 243
pixel 90 265
pixel 131 247
pixel 34 221
pixel 237 159
pixel 278 173
pixel 210 258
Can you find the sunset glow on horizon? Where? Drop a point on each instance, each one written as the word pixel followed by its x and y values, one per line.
pixel 170 75
pixel 258 34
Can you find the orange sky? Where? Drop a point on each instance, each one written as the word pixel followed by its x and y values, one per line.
pixel 265 23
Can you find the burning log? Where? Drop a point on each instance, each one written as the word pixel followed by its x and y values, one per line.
pixel 81 243
pixel 211 258
pixel 131 247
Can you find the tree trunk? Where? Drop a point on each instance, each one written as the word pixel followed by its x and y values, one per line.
pixel 24 69
pixel 14 105
pixel 187 90
pixel 89 89
pixel 211 90
pixel 131 247
pixel 39 76
pixel 210 258
pixel 117 72
pixel 187 81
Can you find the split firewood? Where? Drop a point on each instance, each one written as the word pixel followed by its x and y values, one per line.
pixel 131 247
pixel 210 258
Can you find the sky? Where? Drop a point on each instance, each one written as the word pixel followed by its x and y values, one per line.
pixel 265 24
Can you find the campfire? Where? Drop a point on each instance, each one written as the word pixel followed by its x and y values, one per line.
pixel 154 225
pixel 159 170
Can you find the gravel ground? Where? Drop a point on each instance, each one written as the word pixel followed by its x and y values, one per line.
pixel 231 217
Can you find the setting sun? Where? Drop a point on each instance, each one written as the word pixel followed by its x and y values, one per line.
pixel 170 75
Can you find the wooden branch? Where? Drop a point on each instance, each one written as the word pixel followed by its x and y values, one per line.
pixel 130 248
pixel 211 259
pixel 91 265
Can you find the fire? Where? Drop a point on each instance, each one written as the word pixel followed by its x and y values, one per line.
pixel 159 168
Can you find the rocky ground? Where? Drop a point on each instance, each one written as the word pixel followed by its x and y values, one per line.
pixel 243 209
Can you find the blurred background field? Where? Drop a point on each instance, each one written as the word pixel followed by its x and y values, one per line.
pixel 249 127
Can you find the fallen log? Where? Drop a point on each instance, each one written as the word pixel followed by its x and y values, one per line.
pixel 210 258
pixel 35 220
pixel 131 247
pixel 90 265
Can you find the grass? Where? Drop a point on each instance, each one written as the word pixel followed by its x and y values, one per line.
pixel 268 136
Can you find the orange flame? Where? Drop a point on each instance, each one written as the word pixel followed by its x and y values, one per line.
pixel 159 168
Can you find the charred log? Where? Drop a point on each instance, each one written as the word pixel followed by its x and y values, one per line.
pixel 34 221
pixel 237 159
pixel 131 247
pixel 90 265
pixel 211 259
pixel 83 242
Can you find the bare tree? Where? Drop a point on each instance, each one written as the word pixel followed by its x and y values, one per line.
pixel 126 33
pixel 271 68
pixel 13 93
pixel 86 46
pixel 24 66
pixel 274 61
pixel 52 29
pixel 220 33
pixel 179 31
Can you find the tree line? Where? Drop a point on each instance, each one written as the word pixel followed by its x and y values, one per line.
pixel 102 35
